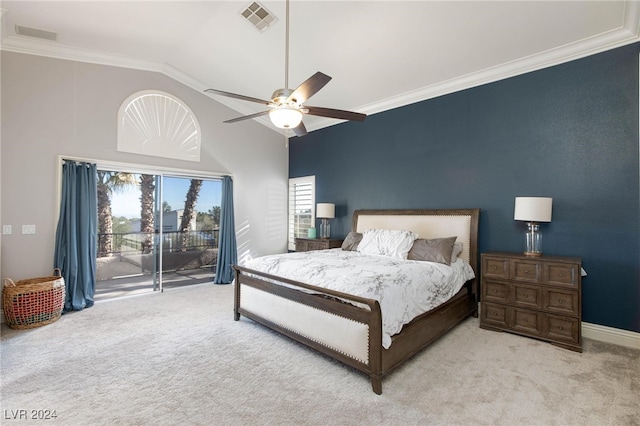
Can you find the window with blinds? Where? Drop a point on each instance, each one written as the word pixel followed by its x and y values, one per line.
pixel 302 215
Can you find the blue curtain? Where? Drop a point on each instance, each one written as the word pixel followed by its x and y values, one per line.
pixel 227 248
pixel 76 235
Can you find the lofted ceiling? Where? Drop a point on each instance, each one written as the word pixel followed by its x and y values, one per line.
pixel 381 54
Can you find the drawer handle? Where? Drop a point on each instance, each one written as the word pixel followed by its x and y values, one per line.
pixel 559 327
pixel 560 301
pixel 495 291
pixel 526 296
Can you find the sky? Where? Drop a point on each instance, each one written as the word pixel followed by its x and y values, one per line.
pixel 127 203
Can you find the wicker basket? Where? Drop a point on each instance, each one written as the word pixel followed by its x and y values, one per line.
pixel 33 302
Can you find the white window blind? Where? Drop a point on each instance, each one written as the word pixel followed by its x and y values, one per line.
pixel 302 213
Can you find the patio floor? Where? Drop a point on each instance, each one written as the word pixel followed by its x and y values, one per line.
pixel 135 284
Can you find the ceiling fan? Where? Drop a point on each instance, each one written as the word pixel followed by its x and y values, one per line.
pixel 286 105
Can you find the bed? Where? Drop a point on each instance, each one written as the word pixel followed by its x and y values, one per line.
pixel 348 327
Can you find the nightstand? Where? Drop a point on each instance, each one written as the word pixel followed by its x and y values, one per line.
pixel 539 297
pixel 308 244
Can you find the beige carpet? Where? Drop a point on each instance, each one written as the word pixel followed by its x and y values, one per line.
pixel 179 358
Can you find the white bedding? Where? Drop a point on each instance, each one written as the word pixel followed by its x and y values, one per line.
pixel 404 288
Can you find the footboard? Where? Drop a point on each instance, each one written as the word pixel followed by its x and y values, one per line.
pixel 349 333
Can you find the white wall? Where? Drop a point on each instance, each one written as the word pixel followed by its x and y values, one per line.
pixel 53 107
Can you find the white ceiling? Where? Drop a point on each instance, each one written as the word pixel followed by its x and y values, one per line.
pixel 381 54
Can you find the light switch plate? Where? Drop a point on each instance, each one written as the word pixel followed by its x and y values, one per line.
pixel 28 229
pixel 6 229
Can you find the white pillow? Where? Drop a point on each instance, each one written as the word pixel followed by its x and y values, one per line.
pixel 457 251
pixel 387 242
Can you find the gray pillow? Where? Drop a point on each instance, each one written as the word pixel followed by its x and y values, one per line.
pixel 435 250
pixel 351 241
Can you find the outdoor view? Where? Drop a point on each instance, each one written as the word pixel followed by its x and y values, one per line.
pixel 145 245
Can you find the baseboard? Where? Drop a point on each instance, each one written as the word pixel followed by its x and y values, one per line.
pixel 616 336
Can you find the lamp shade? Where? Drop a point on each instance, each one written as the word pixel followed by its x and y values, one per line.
pixel 285 117
pixel 325 211
pixel 533 209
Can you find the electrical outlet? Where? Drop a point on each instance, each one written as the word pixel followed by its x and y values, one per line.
pixel 6 229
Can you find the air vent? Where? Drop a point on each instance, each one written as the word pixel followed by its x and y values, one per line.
pixel 258 16
pixel 33 32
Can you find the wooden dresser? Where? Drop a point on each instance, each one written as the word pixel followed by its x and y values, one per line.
pixel 308 244
pixel 539 297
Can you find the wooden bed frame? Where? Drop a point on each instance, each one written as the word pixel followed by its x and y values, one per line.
pixel 353 334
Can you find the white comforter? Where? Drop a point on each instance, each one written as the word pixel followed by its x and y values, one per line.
pixel 404 288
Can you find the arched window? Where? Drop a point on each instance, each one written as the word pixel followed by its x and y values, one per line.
pixel 156 123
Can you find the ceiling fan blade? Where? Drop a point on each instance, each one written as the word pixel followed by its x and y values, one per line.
pixel 335 113
pixel 241 97
pixel 300 129
pixel 247 117
pixel 309 88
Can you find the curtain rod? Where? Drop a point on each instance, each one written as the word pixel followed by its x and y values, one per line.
pixel 119 166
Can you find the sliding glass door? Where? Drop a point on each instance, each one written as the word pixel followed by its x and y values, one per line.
pixel 155 231
pixel 190 224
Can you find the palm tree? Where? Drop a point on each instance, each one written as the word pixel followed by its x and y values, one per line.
pixel 109 182
pixel 147 225
pixel 189 211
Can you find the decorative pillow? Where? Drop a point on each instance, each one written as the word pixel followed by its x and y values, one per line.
pixel 457 250
pixel 387 242
pixel 351 241
pixel 435 250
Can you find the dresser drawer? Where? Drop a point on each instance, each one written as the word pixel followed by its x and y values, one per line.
pixel 495 267
pixel 561 301
pixel 561 274
pixel 525 270
pixel 527 296
pixel 528 321
pixel 562 329
pixel 495 291
pixel 316 245
pixel 309 244
pixel 497 315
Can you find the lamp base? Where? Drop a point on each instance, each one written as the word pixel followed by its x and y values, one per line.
pixel 533 240
pixel 325 229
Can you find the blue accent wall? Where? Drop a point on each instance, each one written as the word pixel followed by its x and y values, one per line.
pixel 569 132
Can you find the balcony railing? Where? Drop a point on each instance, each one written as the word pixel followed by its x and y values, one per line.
pixel 129 243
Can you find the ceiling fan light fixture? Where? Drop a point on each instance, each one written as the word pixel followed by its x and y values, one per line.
pixel 285 117
pixel 287 106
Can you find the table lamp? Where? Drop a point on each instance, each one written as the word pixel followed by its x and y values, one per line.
pixel 533 210
pixel 325 211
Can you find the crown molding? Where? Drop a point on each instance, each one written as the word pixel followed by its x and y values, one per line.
pixel 55 50
pixel 557 56
pixel 627 34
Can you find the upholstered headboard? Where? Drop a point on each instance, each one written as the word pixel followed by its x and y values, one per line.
pixel 462 223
